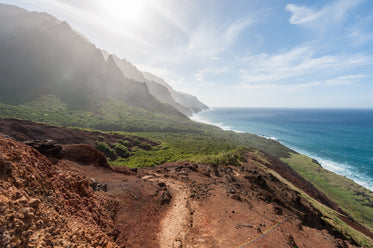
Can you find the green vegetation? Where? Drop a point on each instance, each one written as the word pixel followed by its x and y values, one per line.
pixel 175 147
pixel 107 150
pixel 121 150
pixel 114 151
pixel 329 215
pixel 353 198
pixel 110 115
pixel 176 138
pixel 211 145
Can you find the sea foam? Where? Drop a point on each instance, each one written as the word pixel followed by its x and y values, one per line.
pixel 343 169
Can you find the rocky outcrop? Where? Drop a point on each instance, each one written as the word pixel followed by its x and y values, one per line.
pixel 5 169
pixel 46 147
pixel 84 154
pixel 43 207
pixel 81 153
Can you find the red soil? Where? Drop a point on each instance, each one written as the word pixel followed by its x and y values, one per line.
pixel 51 204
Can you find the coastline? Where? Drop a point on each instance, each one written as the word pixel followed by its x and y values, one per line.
pixel 342 169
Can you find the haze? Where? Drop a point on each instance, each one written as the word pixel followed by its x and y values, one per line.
pixel 237 53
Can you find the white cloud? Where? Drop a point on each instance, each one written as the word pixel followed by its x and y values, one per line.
pixel 216 58
pixel 330 14
pixel 301 14
pixel 234 30
pixel 297 62
pixel 278 88
pixel 199 77
pixel 344 80
pixel 208 41
pixel 360 32
pixel 211 71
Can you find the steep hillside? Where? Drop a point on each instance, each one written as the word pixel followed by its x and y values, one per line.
pixel 110 115
pixel 44 56
pixel 44 207
pixel 183 102
pixel 191 103
pixel 70 200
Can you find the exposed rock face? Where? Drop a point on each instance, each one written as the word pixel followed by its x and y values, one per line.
pixel 46 147
pixel 41 207
pixel 97 186
pixel 5 168
pixel 85 154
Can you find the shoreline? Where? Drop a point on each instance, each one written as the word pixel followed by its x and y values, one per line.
pixel 326 164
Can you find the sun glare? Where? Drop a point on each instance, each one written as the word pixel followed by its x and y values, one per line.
pixel 126 10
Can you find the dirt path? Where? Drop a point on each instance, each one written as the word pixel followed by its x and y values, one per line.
pixel 174 226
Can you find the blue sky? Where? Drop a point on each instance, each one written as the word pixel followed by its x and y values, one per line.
pixel 241 53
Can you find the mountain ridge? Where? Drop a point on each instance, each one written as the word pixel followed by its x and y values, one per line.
pixel 46 56
pixel 185 103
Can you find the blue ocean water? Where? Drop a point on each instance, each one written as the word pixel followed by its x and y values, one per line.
pixel 340 139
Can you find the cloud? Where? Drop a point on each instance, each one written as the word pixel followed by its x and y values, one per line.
pixel 297 62
pixel 216 58
pixel 211 71
pixel 360 32
pixel 344 80
pixel 234 30
pixel 277 89
pixel 274 87
pixel 301 14
pixel 208 41
pixel 329 14
pixel 199 76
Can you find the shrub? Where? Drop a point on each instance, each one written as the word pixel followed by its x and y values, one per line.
pixel 105 148
pixel 136 142
pixel 126 143
pixel 145 146
pixel 121 150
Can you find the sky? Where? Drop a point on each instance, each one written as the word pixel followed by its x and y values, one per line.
pixel 237 53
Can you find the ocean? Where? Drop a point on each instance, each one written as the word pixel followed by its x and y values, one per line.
pixel 340 139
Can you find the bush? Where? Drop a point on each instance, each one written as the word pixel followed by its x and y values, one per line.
pixel 136 142
pixel 121 150
pixel 105 148
pixel 126 143
pixel 145 146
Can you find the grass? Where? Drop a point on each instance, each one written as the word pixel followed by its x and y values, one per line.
pixel 353 198
pixel 329 215
pixel 180 147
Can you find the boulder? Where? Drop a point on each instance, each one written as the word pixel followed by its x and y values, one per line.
pixel 46 147
pixel 84 154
